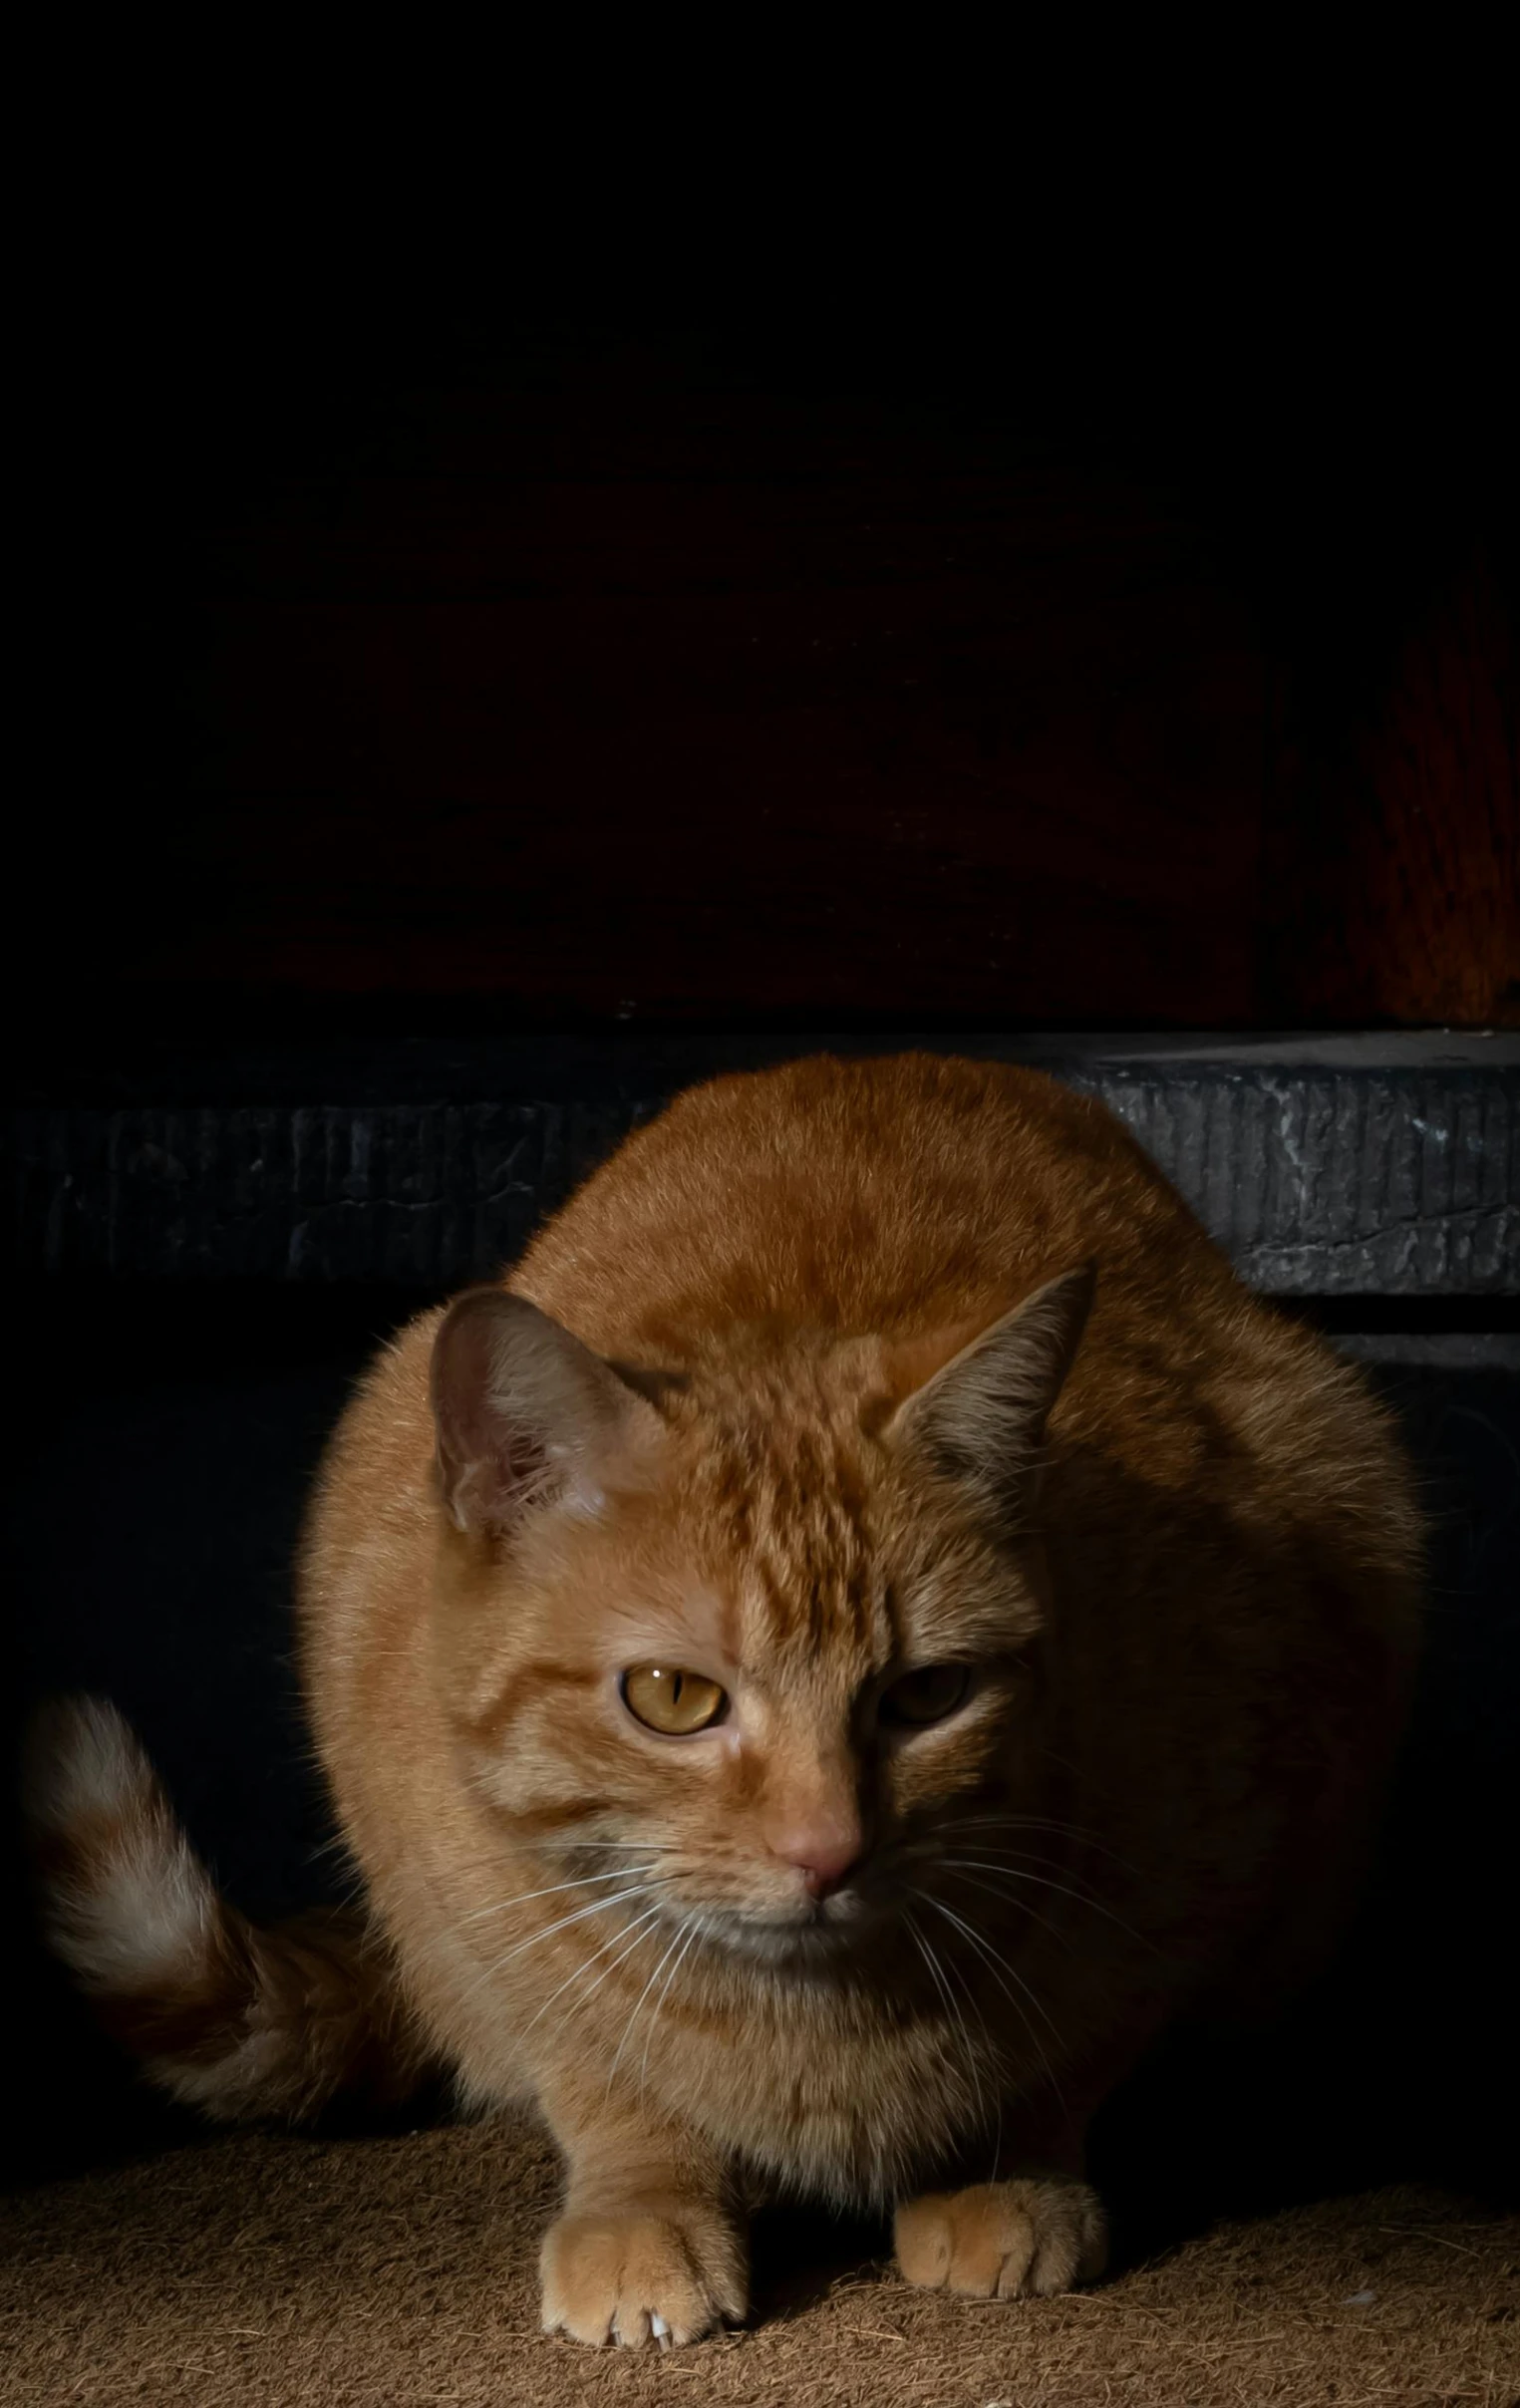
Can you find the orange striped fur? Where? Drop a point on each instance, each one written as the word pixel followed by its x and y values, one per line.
pixel 835 1379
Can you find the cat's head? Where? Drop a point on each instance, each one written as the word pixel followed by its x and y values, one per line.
pixel 755 1633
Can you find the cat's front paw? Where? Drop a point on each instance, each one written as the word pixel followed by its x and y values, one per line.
pixel 1004 2241
pixel 668 2274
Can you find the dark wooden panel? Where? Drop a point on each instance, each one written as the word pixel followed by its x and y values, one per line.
pixel 640 681
pixel 657 708
pixel 1394 829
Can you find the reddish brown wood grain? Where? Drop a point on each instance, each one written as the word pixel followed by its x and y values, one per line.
pixel 1394 880
pixel 1433 932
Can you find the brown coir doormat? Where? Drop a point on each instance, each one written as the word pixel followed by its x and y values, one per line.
pixel 262 2270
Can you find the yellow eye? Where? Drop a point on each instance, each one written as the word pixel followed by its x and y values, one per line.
pixel 927 1696
pixel 667 1700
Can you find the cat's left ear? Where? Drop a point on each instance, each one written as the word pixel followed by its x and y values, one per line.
pixel 980 1416
pixel 526 1417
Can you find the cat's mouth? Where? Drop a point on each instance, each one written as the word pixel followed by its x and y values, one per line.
pixel 810 1934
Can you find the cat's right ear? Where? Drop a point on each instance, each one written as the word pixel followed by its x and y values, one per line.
pixel 525 1416
pixel 981 1413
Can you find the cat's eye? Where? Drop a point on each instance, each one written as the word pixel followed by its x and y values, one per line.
pixel 665 1698
pixel 926 1696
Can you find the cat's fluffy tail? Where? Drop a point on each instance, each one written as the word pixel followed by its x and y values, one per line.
pixel 238 2021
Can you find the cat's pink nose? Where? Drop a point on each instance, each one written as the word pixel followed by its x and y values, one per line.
pixel 822 1854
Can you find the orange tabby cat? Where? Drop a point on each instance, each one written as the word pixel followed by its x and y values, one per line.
pixel 867 1624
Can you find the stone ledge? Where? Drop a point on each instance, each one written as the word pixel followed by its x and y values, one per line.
pixel 1334 1166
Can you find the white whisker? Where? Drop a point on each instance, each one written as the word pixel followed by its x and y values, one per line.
pixel 930 1957
pixel 639 2001
pixel 693 1927
pixel 994 1962
pixel 598 1905
pixel 1006 1870
pixel 952 1866
pixel 504 1905
pixel 1036 1822
pixel 633 1932
pixel 993 2060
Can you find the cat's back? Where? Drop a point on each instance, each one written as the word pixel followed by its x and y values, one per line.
pixel 878 1195
pixel 898 1196
pixel 914 1193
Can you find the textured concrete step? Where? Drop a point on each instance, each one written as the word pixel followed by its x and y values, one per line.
pixel 1336 1167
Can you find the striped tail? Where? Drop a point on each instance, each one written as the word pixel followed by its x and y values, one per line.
pixel 241 2023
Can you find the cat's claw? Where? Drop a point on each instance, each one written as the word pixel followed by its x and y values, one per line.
pixel 641 2277
pixel 1004 2241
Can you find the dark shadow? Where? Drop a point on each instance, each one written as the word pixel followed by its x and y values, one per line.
pixel 798 2253
pixel 1398 2063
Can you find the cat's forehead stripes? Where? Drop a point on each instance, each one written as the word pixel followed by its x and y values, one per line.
pixel 789 1500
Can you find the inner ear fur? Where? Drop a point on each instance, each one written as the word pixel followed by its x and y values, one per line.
pixel 978 1403
pixel 524 1414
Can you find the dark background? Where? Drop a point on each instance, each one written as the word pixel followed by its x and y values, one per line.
pixel 1050 633
pixel 1026 617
